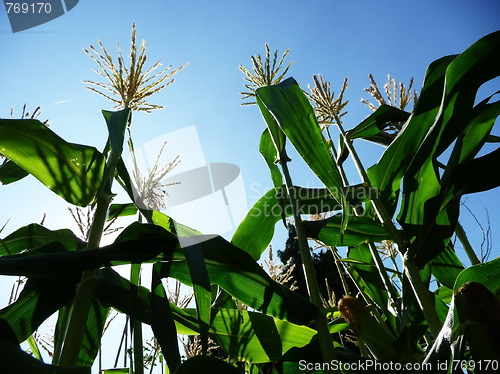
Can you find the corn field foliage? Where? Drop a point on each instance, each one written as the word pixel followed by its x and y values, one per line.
pixel 408 198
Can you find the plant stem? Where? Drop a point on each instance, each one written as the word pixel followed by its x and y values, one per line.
pixel 138 347
pixel 466 244
pixel 84 294
pixel 423 298
pixel 325 339
pixel 420 290
pixel 62 333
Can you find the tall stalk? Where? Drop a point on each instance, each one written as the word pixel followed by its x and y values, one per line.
pixel 466 244
pixel 325 339
pixel 85 291
pixel 411 270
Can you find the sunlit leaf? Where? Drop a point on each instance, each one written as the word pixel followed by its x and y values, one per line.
pixel 72 171
pixel 290 108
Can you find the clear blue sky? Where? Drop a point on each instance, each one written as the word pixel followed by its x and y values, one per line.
pixel 44 66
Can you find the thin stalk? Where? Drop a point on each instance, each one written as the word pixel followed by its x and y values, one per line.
pixel 78 322
pixel 362 348
pixel 384 217
pixel 325 339
pixel 138 357
pixel 420 290
pixel 61 334
pixel 423 298
pixel 466 244
pixel 137 334
pixel 365 297
pixel 84 294
pixel 341 273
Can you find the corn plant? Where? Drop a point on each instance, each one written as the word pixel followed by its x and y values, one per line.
pixel 408 198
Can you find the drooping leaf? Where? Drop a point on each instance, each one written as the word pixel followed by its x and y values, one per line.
pixel 14 360
pixel 268 151
pixel 387 173
pixel 488 274
pixel 447 266
pixel 290 109
pixel 72 171
pixel 34 235
pixel 239 275
pixel 41 297
pixel 430 204
pixel 371 129
pixel 94 328
pixel 201 288
pixel 255 337
pixel 250 336
pixel 359 230
pixel 11 172
pixel 255 232
pixel 121 210
pixel 151 244
pixel 162 321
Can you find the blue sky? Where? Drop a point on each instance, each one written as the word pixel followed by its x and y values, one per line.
pixel 44 66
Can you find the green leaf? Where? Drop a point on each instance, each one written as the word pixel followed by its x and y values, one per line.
pixel 117 123
pixel 201 288
pixel 288 106
pixel 93 331
pixel 255 337
pixel 365 273
pixel 239 275
pixel 387 173
pixel 34 348
pixel 359 230
pixel 121 210
pixel 247 335
pixel 148 243
pixel 371 129
pixel 459 120
pixel 227 265
pixel 162 321
pixel 10 172
pixel 488 274
pixel 41 297
pixel 446 267
pixel 255 232
pixel 268 151
pixel 34 235
pixel 276 133
pixel 14 360
pixel 72 171
pixel 114 290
